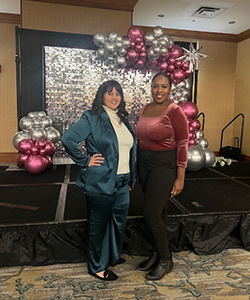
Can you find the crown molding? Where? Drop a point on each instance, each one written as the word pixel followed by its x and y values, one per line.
pixel 10 18
pixel 244 35
pixel 197 35
pixel 124 5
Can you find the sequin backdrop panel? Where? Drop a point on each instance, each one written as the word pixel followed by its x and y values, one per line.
pixel 72 77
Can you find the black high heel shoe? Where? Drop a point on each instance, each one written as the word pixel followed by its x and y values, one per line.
pixel 149 263
pixel 108 275
pixel 162 268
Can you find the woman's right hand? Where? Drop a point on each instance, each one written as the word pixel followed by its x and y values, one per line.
pixel 96 160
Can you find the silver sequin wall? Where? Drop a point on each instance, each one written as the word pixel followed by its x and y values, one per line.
pixel 72 77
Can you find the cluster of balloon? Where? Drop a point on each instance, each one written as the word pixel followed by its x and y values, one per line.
pixel 180 92
pixel 35 143
pixel 136 50
pixel 163 53
pixel 199 156
pixel 112 49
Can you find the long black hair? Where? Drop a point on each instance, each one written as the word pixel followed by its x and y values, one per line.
pixel 108 86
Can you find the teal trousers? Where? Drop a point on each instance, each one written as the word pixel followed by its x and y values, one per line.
pixel 107 215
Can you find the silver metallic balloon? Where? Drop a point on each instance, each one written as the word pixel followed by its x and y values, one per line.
pixel 149 37
pixel 99 39
pixel 20 135
pixel 199 134
pixel 101 53
pixel 181 85
pixel 52 134
pixel 112 35
pixel 202 142
pixel 36 122
pixel 126 42
pixel 185 92
pixel 196 158
pixel 25 123
pixel 163 51
pixel 210 158
pixel 31 115
pixel 120 61
pixel 158 31
pixel 110 48
pixel 37 133
pixel 46 122
pixel 41 114
pixel 118 38
pixel 168 39
pixel 122 51
pixel 118 44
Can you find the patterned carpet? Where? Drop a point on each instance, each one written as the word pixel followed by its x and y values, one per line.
pixel 224 276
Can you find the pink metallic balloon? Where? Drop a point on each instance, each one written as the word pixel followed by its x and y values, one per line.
pixel 34 150
pixel 190 109
pixel 35 164
pixel 132 55
pixel 49 162
pixel 185 65
pixel 195 124
pixel 41 144
pixel 170 67
pixel 25 145
pixel 171 59
pixel 176 51
pixel 178 75
pixel 191 142
pixel 135 32
pixel 49 150
pixel 21 159
pixel 163 66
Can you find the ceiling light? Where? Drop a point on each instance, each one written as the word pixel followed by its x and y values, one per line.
pixel 231 22
pixel 160 16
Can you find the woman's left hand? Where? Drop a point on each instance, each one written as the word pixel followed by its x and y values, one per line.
pixel 177 187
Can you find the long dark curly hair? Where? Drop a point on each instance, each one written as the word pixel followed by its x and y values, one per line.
pixel 108 86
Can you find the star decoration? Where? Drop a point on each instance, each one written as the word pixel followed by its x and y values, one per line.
pixel 192 56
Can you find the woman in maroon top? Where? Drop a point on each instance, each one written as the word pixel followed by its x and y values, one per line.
pixel 162 133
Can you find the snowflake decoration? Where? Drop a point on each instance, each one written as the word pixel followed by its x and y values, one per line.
pixel 192 56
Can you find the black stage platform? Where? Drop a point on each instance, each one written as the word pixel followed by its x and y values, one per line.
pixel 43 217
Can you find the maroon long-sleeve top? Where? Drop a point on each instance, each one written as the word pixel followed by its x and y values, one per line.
pixel 165 132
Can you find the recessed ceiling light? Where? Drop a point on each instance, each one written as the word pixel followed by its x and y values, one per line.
pixel 231 22
pixel 160 16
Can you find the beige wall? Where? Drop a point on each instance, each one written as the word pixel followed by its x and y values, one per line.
pixel 8 106
pixel 242 94
pixel 222 82
pixel 73 19
pixel 216 90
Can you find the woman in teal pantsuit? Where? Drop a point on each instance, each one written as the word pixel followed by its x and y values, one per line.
pixel 106 176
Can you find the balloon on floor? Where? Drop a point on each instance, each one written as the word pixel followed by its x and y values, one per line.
pixel 35 143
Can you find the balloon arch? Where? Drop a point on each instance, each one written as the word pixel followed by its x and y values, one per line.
pixel 154 51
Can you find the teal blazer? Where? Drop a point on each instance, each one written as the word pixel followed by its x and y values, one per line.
pixel 100 137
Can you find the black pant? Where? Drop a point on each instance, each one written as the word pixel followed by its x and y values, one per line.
pixel 157 172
